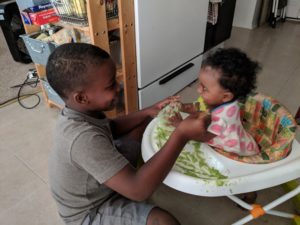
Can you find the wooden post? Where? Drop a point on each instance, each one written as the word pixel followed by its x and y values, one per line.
pixel 127 34
pixel 97 22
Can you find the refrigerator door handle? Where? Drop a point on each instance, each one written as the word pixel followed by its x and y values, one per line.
pixel 176 73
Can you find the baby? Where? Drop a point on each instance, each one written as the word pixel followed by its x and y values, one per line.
pixel 226 77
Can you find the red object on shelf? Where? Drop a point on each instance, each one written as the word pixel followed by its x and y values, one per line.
pixel 43 17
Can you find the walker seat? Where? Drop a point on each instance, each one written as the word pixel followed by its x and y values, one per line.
pixel 272 127
pixel 202 170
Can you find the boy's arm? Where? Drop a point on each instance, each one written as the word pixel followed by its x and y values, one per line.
pixel 206 120
pixel 205 137
pixel 124 124
pixel 140 184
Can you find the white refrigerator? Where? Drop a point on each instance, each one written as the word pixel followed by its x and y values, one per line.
pixel 170 38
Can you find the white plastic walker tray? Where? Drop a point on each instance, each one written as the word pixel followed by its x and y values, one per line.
pixel 229 176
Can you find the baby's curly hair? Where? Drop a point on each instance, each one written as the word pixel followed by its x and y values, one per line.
pixel 67 67
pixel 238 71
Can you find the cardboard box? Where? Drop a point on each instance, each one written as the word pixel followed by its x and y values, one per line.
pixel 40 17
pixel 44 17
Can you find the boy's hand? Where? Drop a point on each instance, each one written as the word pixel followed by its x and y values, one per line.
pixel 175 120
pixel 194 126
pixel 190 107
pixel 154 109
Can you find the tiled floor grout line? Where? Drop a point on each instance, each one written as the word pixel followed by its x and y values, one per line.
pixel 25 197
pixel 28 166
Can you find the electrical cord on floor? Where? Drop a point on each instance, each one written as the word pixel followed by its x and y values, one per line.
pixel 31 75
pixel 33 86
pixel 13 100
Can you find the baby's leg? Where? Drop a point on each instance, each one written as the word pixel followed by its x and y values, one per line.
pixel 162 217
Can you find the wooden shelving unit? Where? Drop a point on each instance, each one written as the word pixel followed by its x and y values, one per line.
pixel 98 30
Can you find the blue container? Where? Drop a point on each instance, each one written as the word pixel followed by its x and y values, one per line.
pixel 51 94
pixel 24 4
pixel 38 50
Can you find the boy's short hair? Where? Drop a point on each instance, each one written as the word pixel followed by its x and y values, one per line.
pixel 238 71
pixel 67 67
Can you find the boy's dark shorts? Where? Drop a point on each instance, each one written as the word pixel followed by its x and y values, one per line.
pixel 119 211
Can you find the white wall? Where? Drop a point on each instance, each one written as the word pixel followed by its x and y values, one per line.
pixel 293 9
pixel 246 13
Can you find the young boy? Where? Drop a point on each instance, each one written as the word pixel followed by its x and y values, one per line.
pixel 92 180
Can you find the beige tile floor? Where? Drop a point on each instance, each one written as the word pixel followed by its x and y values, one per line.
pixel 26 141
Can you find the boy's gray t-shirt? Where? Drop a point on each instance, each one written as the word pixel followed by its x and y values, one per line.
pixel 83 158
